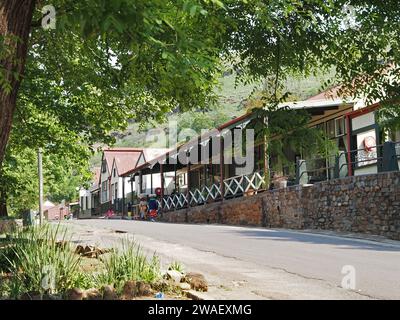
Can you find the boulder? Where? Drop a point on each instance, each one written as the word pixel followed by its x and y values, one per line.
pixel 197 281
pixel 93 294
pixel 129 290
pixel 184 286
pixel 109 293
pixel 161 285
pixel 89 252
pixel 7 226
pixel 75 294
pixel 143 289
pixel 79 249
pixel 176 276
pixel 32 295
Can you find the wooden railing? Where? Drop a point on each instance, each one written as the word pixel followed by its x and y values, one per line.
pixel 234 187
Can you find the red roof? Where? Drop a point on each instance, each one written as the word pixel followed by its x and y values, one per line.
pixel 330 94
pixel 96 176
pixel 125 158
pixel 126 161
pixel 152 153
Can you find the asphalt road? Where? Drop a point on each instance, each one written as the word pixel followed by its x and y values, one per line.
pixel 309 255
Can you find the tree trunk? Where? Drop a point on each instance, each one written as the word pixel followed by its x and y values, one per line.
pixel 15 25
pixel 3 204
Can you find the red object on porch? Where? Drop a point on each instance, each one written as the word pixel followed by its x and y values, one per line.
pixel 369 143
pixel 153 214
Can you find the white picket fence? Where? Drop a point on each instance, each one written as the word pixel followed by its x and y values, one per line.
pixel 235 186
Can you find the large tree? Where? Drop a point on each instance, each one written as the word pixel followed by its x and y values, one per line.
pixel 159 54
pixel 104 63
pixel 148 55
pixel 15 26
pixel 108 60
pixel 359 38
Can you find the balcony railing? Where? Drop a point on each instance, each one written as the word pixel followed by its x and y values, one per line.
pixel 385 157
pixel 234 187
pixel 242 184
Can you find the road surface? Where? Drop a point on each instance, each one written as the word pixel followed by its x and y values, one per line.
pixel 259 263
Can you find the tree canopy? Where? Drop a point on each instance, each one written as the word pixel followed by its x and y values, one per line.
pixel 106 61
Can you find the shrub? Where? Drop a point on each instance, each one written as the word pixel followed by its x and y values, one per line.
pixel 37 262
pixel 7 226
pixel 130 263
pixel 177 266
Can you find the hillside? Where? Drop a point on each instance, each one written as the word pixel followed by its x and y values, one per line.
pixel 231 98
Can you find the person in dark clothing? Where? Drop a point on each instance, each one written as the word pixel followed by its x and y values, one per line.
pixel 153 207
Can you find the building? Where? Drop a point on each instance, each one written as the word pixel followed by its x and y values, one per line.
pixel 89 202
pixel 351 126
pixel 110 188
pixel 55 212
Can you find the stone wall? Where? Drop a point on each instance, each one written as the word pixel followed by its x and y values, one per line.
pixel 366 204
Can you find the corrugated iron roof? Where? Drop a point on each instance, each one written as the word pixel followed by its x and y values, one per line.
pixel 126 158
pixel 126 161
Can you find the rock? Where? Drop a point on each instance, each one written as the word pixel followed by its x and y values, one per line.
pixel 184 286
pixel 176 276
pixel 109 293
pixel 79 249
pixel 143 289
pixel 92 294
pixel 90 251
pixel 32 295
pixel 62 244
pixel 7 226
pixel 196 281
pixel 87 249
pixel 161 285
pixel 129 290
pixel 75 294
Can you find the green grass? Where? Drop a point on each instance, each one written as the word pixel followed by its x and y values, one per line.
pixel 129 263
pixel 41 260
pixel 177 266
pixel 38 263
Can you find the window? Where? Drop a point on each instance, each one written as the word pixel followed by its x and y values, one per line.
pixel 340 127
pixel 182 180
pixel 104 166
pixel 115 172
pixel 104 191
pixel 330 128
